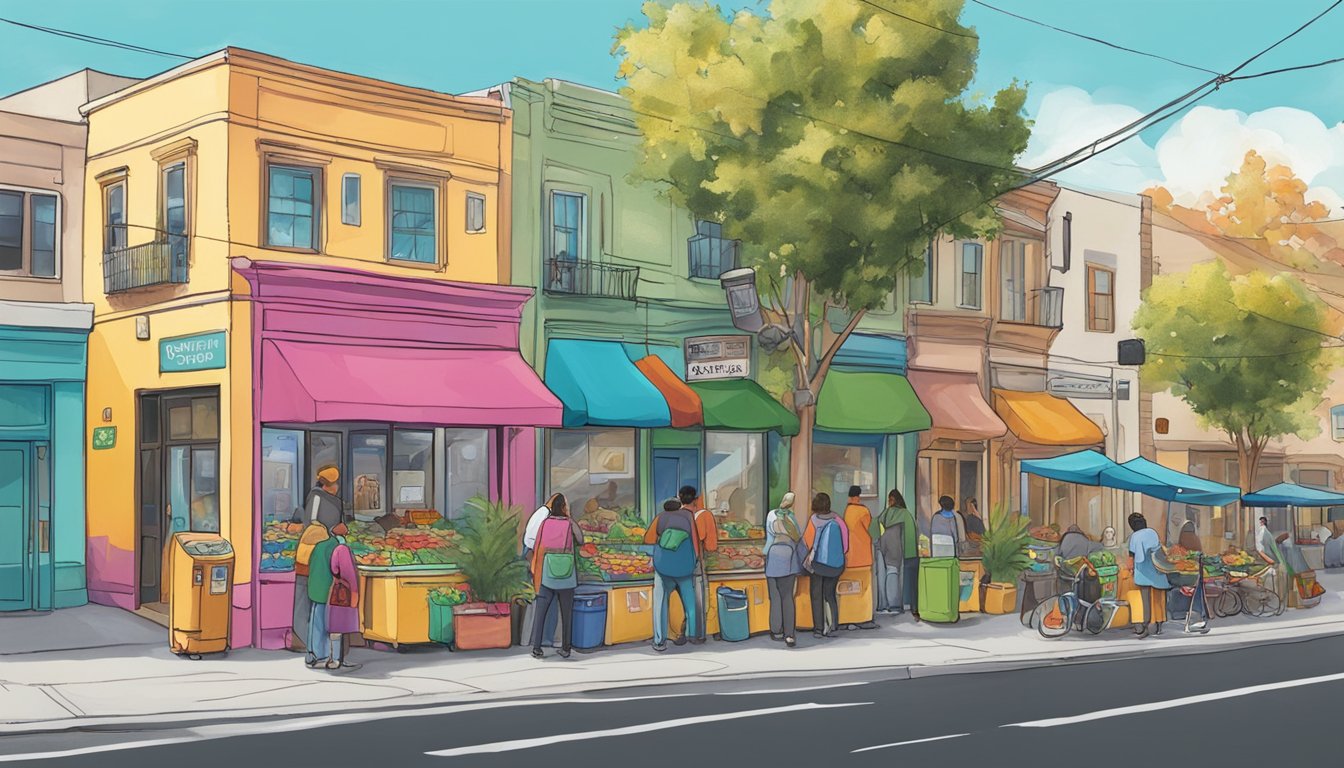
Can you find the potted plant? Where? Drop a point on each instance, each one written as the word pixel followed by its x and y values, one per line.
pixel 1004 553
pixel 442 600
pixel 496 575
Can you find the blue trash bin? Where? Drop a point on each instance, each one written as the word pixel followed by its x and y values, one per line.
pixel 590 620
pixel 734 624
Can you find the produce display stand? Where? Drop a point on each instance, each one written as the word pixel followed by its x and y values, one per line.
pixel 394 601
pixel 1294 497
pixel 616 559
pixel 739 563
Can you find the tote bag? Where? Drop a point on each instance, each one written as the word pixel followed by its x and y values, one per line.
pixel 558 567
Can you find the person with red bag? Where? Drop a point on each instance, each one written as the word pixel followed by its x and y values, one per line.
pixel 333 559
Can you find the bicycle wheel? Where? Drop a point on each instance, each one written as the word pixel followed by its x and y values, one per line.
pixel 1052 618
pixel 1094 621
pixel 1273 604
pixel 1226 604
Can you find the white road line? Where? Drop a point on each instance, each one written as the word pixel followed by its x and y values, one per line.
pixel 94 750
pixel 763 691
pixel 912 741
pixel 1174 703
pixel 517 744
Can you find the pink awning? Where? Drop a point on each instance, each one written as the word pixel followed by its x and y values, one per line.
pixel 958 409
pixel 312 382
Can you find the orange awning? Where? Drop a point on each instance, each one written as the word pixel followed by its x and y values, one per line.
pixel 682 401
pixel 1043 419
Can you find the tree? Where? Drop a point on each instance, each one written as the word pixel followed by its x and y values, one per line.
pixel 1249 354
pixel 834 139
pixel 1264 203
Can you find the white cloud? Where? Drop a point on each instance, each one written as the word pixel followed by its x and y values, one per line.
pixel 1195 155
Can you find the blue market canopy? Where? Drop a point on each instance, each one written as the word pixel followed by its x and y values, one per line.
pixel 1183 488
pixel 1093 468
pixel 600 386
pixel 1293 495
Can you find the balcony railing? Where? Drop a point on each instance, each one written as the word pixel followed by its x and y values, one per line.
pixel 711 256
pixel 589 278
pixel 162 262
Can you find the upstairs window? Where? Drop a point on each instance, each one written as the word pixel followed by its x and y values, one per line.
pixel 1337 423
pixel 28 233
pixel 972 271
pixel 174 215
pixel 114 217
pixel 567 215
pixel 1100 299
pixel 709 252
pixel 921 285
pixel 350 199
pixel 1013 281
pixel 413 223
pixel 475 212
pixel 292 209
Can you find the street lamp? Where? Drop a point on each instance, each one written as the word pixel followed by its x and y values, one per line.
pixel 743 302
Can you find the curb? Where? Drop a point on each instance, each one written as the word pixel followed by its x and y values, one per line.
pixel 540 695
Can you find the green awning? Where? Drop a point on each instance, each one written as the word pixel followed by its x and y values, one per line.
pixel 870 403
pixel 743 405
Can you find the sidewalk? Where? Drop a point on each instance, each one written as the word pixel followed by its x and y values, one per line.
pixel 52 678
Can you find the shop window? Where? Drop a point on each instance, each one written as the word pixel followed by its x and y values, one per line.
pixel 836 467
pixel 475 212
pixel 1100 299
pixel 324 450
pixel 1051 502
pixel 28 233
pixel 205 418
pixel 735 476
pixel 282 497
pixel 972 269
pixel 350 199
pixel 595 469
pixel 412 470
pixel 179 421
pixel 293 206
pixel 368 474
pixel 921 285
pixel 412 222
pixel 467 475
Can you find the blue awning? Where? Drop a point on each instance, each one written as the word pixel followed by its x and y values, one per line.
pixel 1293 495
pixel 1184 488
pixel 868 352
pixel 599 386
pixel 1092 468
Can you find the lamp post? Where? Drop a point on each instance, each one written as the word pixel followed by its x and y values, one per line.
pixel 739 285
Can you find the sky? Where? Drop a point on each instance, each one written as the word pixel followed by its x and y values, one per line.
pixel 1078 89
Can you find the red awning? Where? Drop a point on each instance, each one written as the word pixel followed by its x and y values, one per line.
pixel 958 409
pixel 305 382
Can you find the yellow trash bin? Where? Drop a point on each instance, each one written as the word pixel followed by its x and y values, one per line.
pixel 200 605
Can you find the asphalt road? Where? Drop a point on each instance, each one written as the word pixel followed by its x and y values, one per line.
pixel 1267 705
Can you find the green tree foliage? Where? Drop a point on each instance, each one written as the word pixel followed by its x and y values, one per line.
pixel 489 559
pixel 1248 353
pixel 833 138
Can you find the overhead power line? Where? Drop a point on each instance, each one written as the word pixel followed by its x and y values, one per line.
pixel 1287 69
pixel 1082 36
pixel 104 41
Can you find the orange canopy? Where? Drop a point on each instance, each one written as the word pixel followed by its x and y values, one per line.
pixel 682 401
pixel 1043 419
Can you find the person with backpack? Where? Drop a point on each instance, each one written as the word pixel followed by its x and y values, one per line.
pixel 897 544
pixel 320 579
pixel 342 602
pixel 945 532
pixel 555 573
pixel 858 519
pixel 530 532
pixel 783 563
pixel 676 558
pixel 322 512
pixel 827 539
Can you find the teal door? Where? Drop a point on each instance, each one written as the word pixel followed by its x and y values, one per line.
pixel 16 526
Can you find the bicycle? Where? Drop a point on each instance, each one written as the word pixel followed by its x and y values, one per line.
pixel 1070 611
pixel 1258 600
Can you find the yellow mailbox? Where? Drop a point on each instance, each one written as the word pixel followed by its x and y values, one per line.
pixel 200 604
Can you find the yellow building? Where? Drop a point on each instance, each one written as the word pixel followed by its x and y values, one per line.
pixel 299 268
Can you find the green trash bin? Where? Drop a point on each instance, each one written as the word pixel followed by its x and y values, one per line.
pixel 440 623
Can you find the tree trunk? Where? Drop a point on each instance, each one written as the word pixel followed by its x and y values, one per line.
pixel 800 462
pixel 1248 465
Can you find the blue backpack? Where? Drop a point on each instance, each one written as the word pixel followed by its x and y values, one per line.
pixel 829 550
pixel 674 554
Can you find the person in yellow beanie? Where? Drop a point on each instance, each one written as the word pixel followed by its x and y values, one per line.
pixel 321 513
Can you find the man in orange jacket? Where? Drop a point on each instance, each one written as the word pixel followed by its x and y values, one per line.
pixel 860 555
pixel 707 539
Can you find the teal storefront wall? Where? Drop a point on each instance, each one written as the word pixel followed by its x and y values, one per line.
pixel 42 375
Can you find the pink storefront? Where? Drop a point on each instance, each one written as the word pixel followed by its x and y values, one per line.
pixel 415 390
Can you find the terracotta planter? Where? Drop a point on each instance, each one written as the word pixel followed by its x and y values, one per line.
pixel 1000 598
pixel 477 626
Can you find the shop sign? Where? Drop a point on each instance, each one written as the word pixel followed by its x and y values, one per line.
pixel 718 357
pixel 104 438
pixel 1078 386
pixel 199 352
